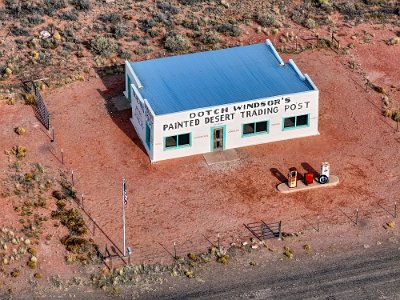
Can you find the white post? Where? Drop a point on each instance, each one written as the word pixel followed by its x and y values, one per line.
pixel 123 215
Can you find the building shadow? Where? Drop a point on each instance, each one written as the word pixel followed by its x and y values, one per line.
pixel 278 175
pixel 114 87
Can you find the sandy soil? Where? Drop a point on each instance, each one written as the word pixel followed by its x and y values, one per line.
pixel 184 200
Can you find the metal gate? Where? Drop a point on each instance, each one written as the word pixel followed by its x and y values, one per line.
pixel 40 110
pixel 264 231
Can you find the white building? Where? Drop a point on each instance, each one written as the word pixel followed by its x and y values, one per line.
pixel 216 100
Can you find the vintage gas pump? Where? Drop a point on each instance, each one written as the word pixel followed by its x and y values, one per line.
pixel 292 177
pixel 324 177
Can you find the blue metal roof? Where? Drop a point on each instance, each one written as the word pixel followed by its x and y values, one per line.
pixel 205 79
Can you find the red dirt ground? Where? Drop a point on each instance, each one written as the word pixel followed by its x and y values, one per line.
pixel 183 199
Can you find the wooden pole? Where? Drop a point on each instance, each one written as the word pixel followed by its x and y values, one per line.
pixel 280 230
pixel 357 216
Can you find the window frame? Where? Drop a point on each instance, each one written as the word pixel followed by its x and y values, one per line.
pixel 148 136
pixel 295 124
pixel 177 146
pixel 255 128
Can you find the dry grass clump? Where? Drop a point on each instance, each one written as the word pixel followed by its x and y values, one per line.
pixel 189 274
pixel 307 247
pixel 289 253
pixel 394 41
pixel 29 98
pixel 32 263
pixel 38 275
pixel 72 219
pixel 19 151
pixel 15 273
pixel 19 130
pixel 58 195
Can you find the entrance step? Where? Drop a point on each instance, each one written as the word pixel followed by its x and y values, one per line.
pixel 221 156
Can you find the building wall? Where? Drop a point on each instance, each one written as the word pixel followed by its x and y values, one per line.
pixel 200 123
pixel 142 115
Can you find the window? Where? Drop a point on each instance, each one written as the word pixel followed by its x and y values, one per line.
pixel 289 122
pixel 129 88
pixel 302 120
pixel 294 122
pixel 255 128
pixel 148 133
pixel 177 141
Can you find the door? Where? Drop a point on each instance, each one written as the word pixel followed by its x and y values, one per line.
pixel 218 139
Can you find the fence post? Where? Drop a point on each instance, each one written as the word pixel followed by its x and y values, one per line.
pixel 395 206
pixel 357 216
pixel 174 250
pixel 280 230
pixel 52 137
pixel 317 223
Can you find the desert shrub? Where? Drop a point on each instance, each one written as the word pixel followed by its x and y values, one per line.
pixel 229 30
pixel 23 8
pixel 309 23
pixel 19 130
pixel 112 18
pixel 69 34
pixel 58 195
pixel 124 54
pixel 19 31
pixel 146 24
pixel 19 152
pixel 103 46
pixel 265 20
pixel 118 31
pixel 192 23
pixel 210 38
pixel 167 7
pixel 74 244
pixel 50 6
pixel 32 21
pixel 175 42
pixel 159 17
pixel 71 15
pixel 191 2
pixel 82 4
pixel 289 253
pixel 143 50
pixel 15 273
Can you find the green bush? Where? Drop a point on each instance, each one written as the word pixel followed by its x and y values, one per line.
pixel 210 38
pixel 229 30
pixel 82 4
pixel 175 42
pixel 266 20
pixel 103 46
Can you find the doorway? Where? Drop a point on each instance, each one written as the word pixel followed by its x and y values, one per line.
pixel 218 138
